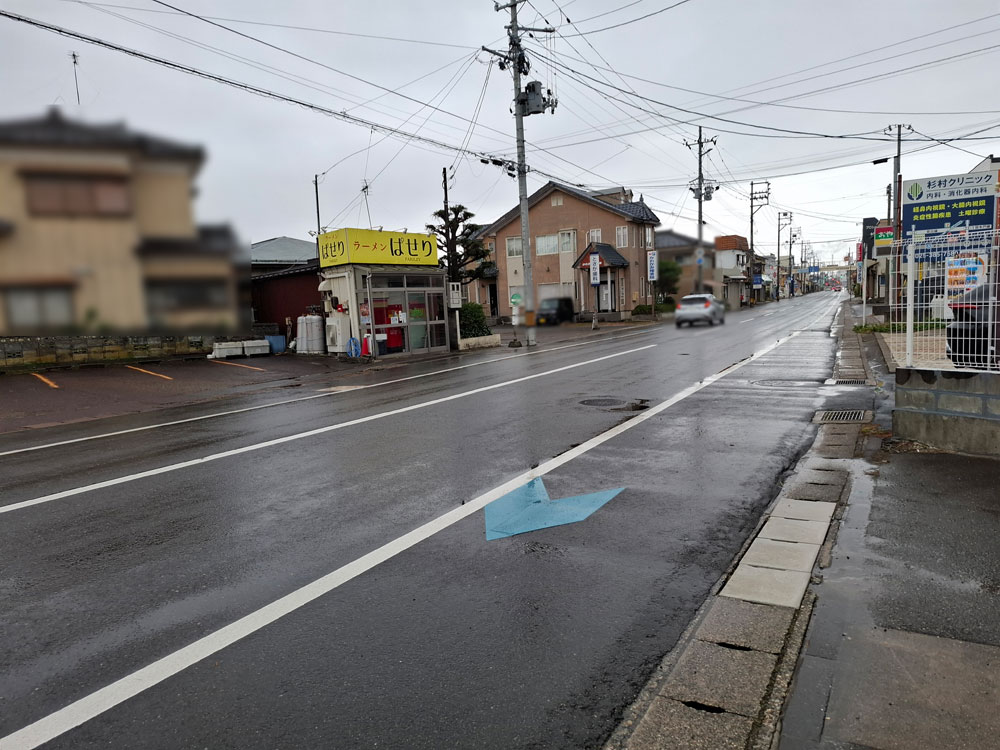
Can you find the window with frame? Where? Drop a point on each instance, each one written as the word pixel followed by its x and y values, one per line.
pixel 567 241
pixel 32 309
pixel 557 199
pixel 621 236
pixel 594 235
pixel 649 237
pixel 514 249
pixel 77 195
pixel 547 244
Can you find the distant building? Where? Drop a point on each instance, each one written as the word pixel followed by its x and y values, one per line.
pixel 97 233
pixel 280 253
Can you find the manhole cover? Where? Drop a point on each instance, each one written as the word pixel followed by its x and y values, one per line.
pixel 843 416
pixel 786 383
pixel 602 402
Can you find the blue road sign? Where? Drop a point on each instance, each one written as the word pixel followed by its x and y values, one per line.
pixel 529 508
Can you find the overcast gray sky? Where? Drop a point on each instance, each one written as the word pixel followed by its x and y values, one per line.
pixel 815 59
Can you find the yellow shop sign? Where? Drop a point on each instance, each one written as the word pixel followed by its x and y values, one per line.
pixel 370 246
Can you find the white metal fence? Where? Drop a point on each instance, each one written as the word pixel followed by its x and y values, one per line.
pixel 943 309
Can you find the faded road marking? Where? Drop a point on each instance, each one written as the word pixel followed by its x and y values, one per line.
pixel 148 372
pixel 236 364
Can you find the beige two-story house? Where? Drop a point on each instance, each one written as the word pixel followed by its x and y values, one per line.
pixel 565 223
pixel 97 233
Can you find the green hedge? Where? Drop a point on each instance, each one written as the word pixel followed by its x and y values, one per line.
pixel 472 321
pixel 661 307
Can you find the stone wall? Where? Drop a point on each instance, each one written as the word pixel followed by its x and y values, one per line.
pixel 957 411
pixel 66 351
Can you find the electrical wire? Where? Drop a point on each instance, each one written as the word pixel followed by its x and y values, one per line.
pixel 283 26
pixel 634 20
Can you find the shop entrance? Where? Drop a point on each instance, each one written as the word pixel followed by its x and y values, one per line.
pixel 408 316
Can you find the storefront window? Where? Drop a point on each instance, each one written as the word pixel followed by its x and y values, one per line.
pixel 411 320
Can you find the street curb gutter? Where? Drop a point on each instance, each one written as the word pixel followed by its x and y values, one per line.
pixel 725 683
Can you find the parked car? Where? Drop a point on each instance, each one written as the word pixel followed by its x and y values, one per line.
pixel 697 308
pixel 970 342
pixel 555 310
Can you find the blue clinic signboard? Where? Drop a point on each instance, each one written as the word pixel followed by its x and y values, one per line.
pixel 939 211
pixel 813 269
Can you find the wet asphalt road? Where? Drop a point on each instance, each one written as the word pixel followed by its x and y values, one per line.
pixel 536 640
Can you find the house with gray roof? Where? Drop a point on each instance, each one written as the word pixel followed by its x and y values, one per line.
pixel 564 222
pixel 280 253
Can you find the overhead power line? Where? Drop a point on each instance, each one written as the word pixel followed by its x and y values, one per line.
pixel 283 26
pixel 634 20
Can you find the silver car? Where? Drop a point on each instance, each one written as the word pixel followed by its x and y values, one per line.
pixel 699 308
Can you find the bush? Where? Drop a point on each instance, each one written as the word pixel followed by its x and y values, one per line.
pixel 661 307
pixel 856 290
pixel 472 321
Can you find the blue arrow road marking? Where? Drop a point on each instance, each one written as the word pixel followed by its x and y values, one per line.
pixel 529 508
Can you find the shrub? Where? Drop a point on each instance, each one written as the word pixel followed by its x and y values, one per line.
pixel 661 307
pixel 472 321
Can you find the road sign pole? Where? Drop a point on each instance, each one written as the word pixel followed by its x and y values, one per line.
pixel 595 283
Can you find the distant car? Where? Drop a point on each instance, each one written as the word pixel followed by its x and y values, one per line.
pixel 699 308
pixel 969 340
pixel 555 310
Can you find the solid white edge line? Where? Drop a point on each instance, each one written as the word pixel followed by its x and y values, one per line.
pixel 646 329
pixel 88 707
pixel 299 435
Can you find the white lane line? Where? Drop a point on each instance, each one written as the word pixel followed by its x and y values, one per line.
pixel 747 320
pixel 300 435
pixel 215 415
pixel 88 707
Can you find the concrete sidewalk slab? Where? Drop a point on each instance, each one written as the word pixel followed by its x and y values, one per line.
pixel 919 690
pixel 799 490
pixel 768 553
pixel 791 530
pixel 671 724
pixel 727 678
pixel 804 510
pixel 783 588
pixel 758 626
pixel 822 476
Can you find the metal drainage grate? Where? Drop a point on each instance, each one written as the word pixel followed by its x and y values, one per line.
pixel 840 416
pixel 851 381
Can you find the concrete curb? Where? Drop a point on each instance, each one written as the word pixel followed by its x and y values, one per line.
pixel 724 685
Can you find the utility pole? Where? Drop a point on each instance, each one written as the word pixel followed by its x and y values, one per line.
pixel 897 213
pixel 793 235
pixel 784 220
pixel 449 250
pixel 531 101
pixel 319 229
pixel 702 193
pixel 759 197
pixel 76 62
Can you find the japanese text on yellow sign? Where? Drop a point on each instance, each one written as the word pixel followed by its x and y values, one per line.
pixel 369 246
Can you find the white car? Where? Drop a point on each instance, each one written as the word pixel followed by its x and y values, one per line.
pixel 699 308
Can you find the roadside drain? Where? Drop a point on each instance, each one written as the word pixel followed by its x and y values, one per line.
pixel 842 416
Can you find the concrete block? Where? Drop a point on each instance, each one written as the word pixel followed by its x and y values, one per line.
pixel 727 678
pixel 822 476
pixel 791 530
pixel 963 404
pixel 768 553
pixel 782 588
pixel 804 510
pixel 966 434
pixel 804 491
pixel 993 407
pixel 758 626
pixel 923 399
pixel 670 724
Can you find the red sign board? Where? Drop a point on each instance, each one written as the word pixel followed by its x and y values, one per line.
pixel 860 252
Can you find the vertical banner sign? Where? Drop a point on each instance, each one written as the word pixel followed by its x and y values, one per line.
pixel 651 268
pixel 595 269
